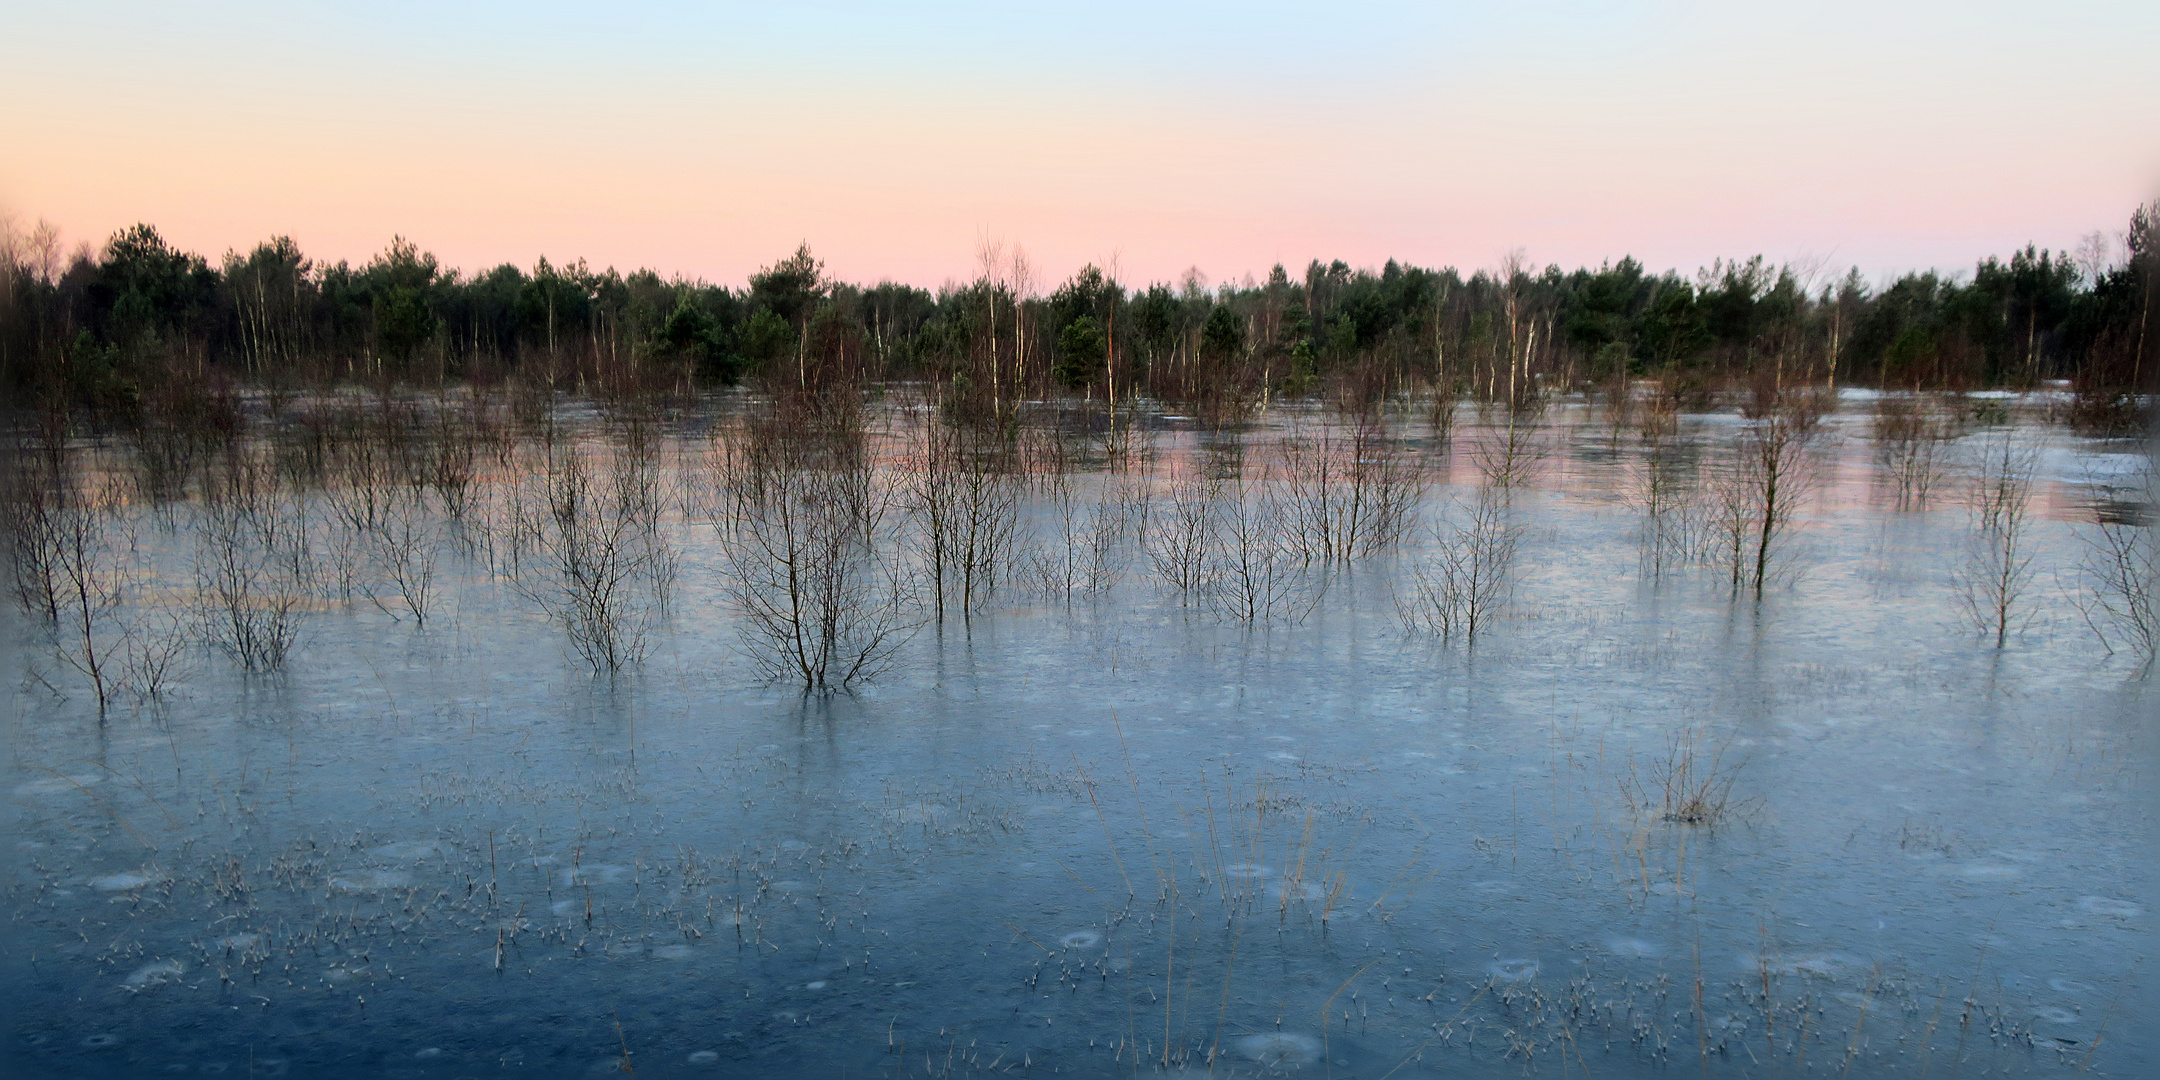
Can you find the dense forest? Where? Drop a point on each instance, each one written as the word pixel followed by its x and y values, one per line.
pixel 110 333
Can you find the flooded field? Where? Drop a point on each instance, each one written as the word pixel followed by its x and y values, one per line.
pixel 1487 749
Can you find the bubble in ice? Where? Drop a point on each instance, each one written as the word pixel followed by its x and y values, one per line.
pixel 1081 939
pixel 1634 948
pixel 1823 965
pixel 426 1053
pixel 920 814
pixel 595 874
pixel 1293 892
pixel 2101 905
pixel 1244 871
pixel 794 845
pixel 128 880
pixel 566 907
pixel 409 849
pixel 361 881
pixel 703 1057
pixel 1282 755
pixel 1989 872
pixel 1512 970
pixel 2070 986
pixel 1280 738
pixel 56 785
pixel 626 948
pixel 2054 1015
pixel 789 886
pixel 814 984
pixel 101 1041
pixel 238 942
pixel 155 973
pixel 672 952
pixel 1278 1048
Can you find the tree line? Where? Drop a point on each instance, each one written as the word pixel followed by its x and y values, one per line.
pixel 105 331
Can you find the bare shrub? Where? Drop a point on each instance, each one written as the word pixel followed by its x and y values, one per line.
pixel 1253 574
pixel 965 500
pixel 248 595
pixel 806 534
pixel 2121 568
pixel 452 458
pixel 89 581
pixel 1664 488
pixel 402 552
pixel 156 651
pixel 166 455
pixel 1440 410
pixel 1509 457
pixel 1756 494
pixel 1997 570
pixel 582 555
pixel 1181 535
pixel 1690 785
pixel 101 627
pixel 1348 497
pixel 1465 584
pixel 1658 416
pixel 1908 442
pixel 1080 557
pixel 34 505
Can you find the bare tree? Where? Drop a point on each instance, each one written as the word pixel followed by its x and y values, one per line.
pixel 1464 585
pixel 1997 568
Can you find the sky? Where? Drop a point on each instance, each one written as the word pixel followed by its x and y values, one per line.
pixel 898 140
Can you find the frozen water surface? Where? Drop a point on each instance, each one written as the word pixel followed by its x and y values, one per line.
pixel 1323 847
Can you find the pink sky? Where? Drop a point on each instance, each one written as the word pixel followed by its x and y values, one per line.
pixel 708 146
